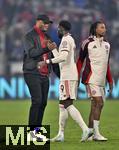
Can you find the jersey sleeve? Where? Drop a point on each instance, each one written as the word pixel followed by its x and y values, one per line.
pixel 65 45
pixel 55 52
pixel 60 58
pixel 82 55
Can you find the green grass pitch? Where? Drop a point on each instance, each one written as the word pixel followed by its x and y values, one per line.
pixel 16 112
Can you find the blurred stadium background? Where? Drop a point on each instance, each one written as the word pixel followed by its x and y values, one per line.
pixel 16 18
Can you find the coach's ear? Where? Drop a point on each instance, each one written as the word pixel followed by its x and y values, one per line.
pixel 56 69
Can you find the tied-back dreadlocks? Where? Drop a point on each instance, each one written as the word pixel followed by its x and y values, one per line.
pixel 93 28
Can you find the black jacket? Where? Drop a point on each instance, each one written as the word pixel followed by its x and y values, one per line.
pixel 33 54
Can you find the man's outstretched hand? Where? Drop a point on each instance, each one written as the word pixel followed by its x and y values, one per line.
pixel 51 45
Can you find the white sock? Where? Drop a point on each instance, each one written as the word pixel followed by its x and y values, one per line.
pixel 63 116
pixel 75 114
pixel 96 127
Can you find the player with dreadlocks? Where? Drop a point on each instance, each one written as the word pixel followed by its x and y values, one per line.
pixel 96 51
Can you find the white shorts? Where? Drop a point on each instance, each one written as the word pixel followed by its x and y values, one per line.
pixel 95 91
pixel 68 88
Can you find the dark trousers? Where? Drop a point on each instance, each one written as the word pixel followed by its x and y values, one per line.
pixel 38 87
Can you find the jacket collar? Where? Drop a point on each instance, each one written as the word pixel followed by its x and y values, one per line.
pixel 67 34
pixel 98 39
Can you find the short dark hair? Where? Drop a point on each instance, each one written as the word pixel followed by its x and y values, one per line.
pixel 44 18
pixel 93 27
pixel 65 24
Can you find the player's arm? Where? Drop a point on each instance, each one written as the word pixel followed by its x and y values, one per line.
pixel 60 58
pixel 82 55
pixel 55 52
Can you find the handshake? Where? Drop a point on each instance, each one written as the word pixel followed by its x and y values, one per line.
pixel 50 45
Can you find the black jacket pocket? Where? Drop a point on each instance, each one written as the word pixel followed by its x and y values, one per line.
pixel 30 65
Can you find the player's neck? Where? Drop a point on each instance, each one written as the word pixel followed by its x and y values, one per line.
pixel 66 33
pixel 99 36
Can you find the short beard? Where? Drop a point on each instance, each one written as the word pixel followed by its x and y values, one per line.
pixel 43 30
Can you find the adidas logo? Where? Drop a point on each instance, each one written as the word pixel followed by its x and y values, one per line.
pixel 94 46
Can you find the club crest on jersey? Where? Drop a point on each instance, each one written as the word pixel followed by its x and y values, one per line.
pixel 106 46
pixel 64 44
pixel 93 92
